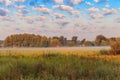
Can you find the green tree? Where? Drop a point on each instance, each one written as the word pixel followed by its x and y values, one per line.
pixel 88 43
pixel 115 48
pixel 71 43
pixel 55 42
pixel 99 39
pixel 74 39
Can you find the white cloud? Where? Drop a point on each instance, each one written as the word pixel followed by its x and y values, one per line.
pixel 31 19
pixel 6 18
pixel 23 11
pixel 58 15
pixel 69 9
pixel 42 9
pixel 8 2
pixel 89 3
pixel 107 5
pixel 93 9
pixel 75 12
pixel 94 16
pixel 62 22
pixel 96 1
pixel 3 12
pixel 76 1
pixel 109 11
pixel 20 7
pixel 59 1
pixel 42 18
pixel 19 0
pixel 117 20
pixel 63 7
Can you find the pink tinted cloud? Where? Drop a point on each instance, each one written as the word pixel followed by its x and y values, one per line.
pixel 67 8
pixel 62 22
pixel 109 11
pixel 59 1
pixel 117 20
pixel 35 18
pixel 93 9
pixel 94 16
pixel 42 9
pixel 75 1
pixel 19 0
pixel 58 15
pixel 63 7
pixel 20 7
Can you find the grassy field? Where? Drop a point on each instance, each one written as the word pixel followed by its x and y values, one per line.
pixel 58 64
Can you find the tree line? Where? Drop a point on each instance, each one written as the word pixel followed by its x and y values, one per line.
pixel 32 40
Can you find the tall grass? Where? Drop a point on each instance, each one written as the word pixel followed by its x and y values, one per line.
pixel 57 66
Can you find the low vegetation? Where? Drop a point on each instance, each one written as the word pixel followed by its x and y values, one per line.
pixel 23 65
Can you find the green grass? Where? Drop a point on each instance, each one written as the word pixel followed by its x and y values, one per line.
pixel 57 66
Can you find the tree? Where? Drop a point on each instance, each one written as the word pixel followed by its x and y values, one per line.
pixel 115 48
pixel 71 43
pixel 88 43
pixel 54 42
pixel 99 39
pixel 62 41
pixel 105 43
pixel 26 40
pixel 44 42
pixel 74 39
pixel 82 41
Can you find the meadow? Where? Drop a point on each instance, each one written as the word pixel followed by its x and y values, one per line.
pixel 58 64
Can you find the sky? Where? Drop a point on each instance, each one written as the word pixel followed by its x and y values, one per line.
pixel 82 18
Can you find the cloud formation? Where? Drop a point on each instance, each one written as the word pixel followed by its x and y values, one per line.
pixel 99 1
pixel 94 16
pixel 59 1
pixel 109 11
pixel 20 7
pixel 89 3
pixel 79 17
pixel 31 19
pixel 93 9
pixel 62 22
pixel 63 7
pixel 3 12
pixel 19 0
pixel 117 20
pixel 42 9
pixel 58 15
pixel 75 1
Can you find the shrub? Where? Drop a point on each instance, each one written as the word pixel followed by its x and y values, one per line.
pixel 115 48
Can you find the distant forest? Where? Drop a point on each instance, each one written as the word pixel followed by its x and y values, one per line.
pixel 32 40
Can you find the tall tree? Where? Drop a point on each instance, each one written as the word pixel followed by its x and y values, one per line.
pixel 99 39
pixel 74 39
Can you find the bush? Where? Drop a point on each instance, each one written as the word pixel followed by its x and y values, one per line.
pixel 115 48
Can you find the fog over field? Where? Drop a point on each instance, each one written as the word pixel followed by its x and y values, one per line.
pixel 61 48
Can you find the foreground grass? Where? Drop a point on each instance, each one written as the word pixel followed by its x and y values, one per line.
pixel 57 66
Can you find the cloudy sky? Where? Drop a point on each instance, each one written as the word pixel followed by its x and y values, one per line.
pixel 82 18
